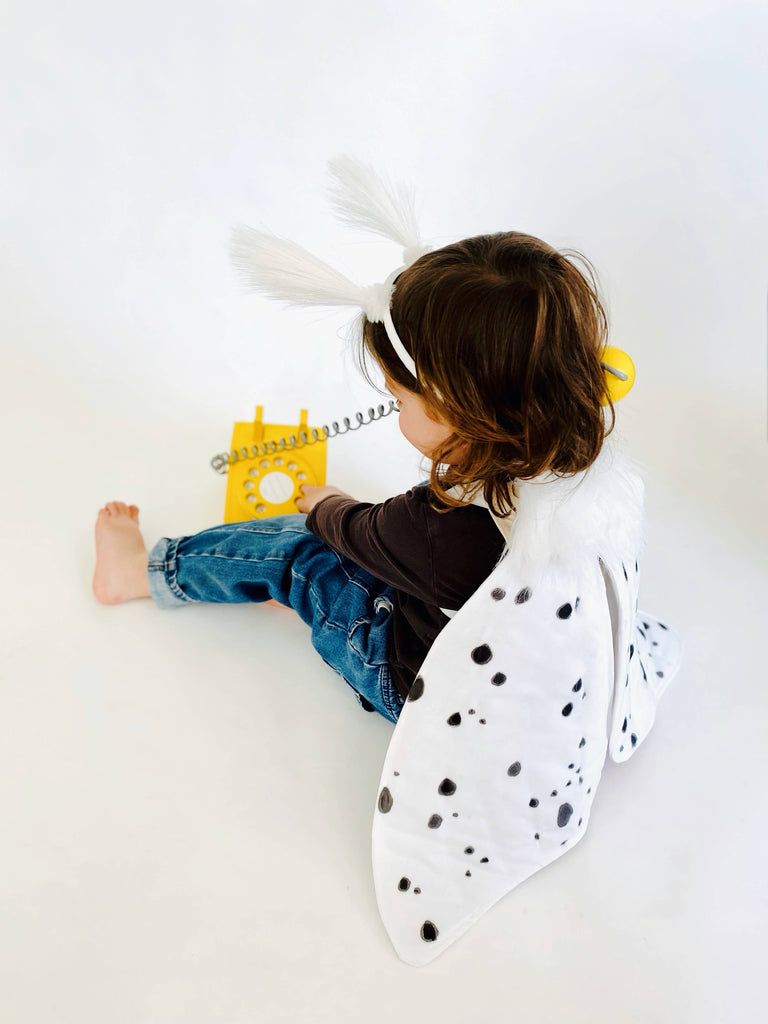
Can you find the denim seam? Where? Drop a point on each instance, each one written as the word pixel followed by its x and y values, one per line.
pixel 235 558
pixel 167 567
pixel 270 533
pixel 386 690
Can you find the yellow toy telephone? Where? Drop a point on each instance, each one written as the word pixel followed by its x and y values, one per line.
pixel 268 463
pixel 265 479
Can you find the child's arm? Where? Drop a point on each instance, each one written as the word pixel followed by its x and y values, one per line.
pixel 440 559
pixel 312 496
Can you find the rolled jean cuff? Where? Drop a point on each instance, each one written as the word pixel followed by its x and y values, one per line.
pixel 161 574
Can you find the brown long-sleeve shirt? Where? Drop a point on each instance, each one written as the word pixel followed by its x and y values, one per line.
pixel 433 560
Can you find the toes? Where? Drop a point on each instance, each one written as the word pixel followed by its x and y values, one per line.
pixel 119 508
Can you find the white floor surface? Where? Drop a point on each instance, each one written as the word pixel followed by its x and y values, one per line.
pixel 186 797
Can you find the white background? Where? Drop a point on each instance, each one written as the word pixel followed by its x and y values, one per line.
pixel 186 797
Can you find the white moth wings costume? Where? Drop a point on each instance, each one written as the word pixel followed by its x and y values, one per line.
pixel 547 669
pixel 496 757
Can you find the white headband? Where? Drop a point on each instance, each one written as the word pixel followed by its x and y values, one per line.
pixel 280 269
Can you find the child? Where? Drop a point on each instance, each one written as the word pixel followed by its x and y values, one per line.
pixel 529 528
pixel 492 349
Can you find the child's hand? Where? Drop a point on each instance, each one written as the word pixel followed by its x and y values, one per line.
pixel 313 495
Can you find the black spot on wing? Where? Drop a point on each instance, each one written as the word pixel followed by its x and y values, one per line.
pixel 417 689
pixel 482 655
pixel 564 815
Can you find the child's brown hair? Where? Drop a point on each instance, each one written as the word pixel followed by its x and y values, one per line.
pixel 507 334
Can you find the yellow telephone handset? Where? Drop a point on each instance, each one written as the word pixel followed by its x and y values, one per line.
pixel 267 484
pixel 619 373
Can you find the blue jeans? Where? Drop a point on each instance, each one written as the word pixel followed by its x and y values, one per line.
pixel 348 610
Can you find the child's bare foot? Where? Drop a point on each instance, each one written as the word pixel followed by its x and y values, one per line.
pixel 121 555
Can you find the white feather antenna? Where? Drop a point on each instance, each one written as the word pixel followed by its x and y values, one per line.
pixel 280 269
pixel 283 270
pixel 363 200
